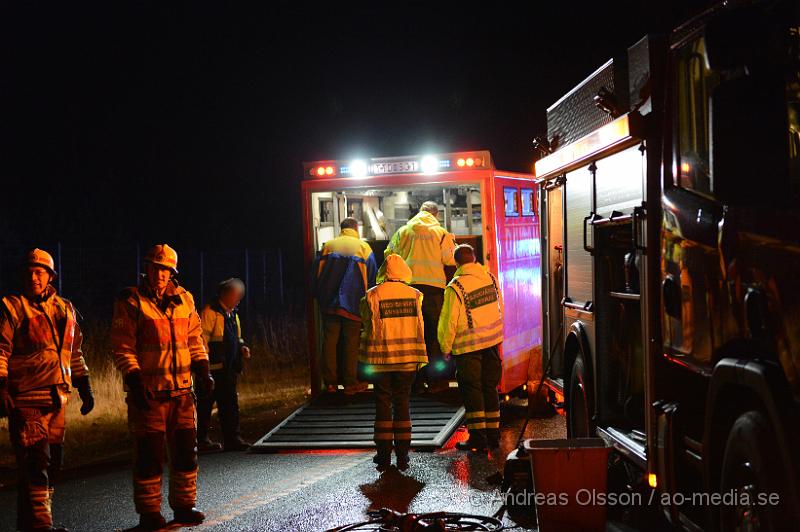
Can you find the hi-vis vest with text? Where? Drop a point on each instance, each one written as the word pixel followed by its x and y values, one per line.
pixel 393 328
pixel 472 314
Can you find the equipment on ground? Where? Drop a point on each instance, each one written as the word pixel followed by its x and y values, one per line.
pixel 385 520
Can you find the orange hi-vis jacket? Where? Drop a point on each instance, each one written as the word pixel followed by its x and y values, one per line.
pixel 40 344
pixel 161 338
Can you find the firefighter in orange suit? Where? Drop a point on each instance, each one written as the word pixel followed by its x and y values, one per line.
pixel 471 328
pixel 157 344
pixel 393 348
pixel 40 362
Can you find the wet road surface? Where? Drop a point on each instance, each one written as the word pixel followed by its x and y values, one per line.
pixel 298 491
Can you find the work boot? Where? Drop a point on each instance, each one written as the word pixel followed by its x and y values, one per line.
pixel 206 445
pixel 476 443
pixel 438 386
pixel 352 389
pixel 236 444
pixel 493 439
pixel 401 450
pixel 151 521
pixel 383 458
pixel 189 516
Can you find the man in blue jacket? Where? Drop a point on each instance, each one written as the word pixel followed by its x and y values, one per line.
pixel 346 270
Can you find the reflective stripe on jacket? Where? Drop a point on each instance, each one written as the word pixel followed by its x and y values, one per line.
pixel 40 342
pixel 346 269
pixel 426 247
pixel 472 315
pixel 393 329
pixel 212 319
pixel 159 338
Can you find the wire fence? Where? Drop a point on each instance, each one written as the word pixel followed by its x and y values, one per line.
pixel 272 310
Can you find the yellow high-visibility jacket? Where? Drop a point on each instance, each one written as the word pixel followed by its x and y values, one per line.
pixel 40 343
pixel 472 314
pixel 393 337
pixel 212 318
pixel 161 339
pixel 426 247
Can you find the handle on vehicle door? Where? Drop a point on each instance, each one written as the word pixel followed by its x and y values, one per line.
pixel 637 216
pixel 671 295
pixel 586 246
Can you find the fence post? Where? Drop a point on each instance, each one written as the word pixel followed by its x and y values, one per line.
pixel 60 268
pixel 263 276
pixel 247 282
pixel 280 275
pixel 202 280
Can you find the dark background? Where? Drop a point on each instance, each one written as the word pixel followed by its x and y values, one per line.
pixel 127 123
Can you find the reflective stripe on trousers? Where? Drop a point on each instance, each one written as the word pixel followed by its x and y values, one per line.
pixel 169 421
pixel 392 410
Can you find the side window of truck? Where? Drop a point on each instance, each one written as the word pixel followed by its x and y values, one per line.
pixel 528 202
pixel 511 196
pixel 694 84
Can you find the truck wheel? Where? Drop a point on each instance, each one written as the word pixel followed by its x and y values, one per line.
pixel 752 470
pixel 580 410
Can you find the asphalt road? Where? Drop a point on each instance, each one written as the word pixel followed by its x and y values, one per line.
pixel 297 491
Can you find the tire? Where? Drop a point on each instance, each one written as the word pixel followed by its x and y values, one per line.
pixel 580 410
pixel 751 465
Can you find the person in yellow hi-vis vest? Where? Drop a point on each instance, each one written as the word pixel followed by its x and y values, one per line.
pixel 392 348
pixel 471 329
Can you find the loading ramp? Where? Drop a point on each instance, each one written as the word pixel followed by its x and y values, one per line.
pixel 347 423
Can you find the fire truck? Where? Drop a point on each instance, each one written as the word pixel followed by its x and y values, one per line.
pixel 494 211
pixel 670 265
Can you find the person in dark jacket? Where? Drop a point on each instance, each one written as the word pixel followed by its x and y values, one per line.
pixel 222 334
pixel 346 270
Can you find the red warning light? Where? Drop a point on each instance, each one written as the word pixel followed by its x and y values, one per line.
pixel 321 171
pixel 461 162
pixel 329 170
pixel 470 161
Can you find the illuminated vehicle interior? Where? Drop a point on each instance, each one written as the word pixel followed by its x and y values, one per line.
pixel 382 211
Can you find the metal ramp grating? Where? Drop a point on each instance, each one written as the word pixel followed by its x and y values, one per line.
pixel 335 423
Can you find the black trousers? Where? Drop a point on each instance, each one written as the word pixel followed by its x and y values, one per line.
pixel 393 412
pixel 226 396
pixel 478 375
pixel 437 368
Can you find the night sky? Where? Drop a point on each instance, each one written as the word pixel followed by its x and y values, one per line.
pixel 150 122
